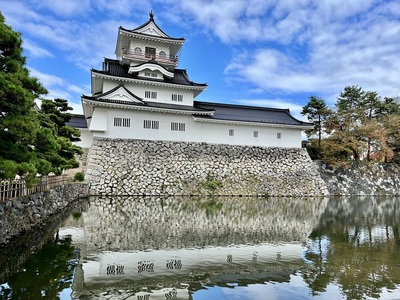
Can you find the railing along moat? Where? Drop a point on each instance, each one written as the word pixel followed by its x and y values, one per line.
pixel 10 189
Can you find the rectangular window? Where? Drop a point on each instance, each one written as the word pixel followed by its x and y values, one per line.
pixel 177 126
pixel 117 121
pixel 150 124
pixel 149 74
pixel 150 52
pixel 122 122
pixel 126 122
pixel 150 95
pixel 278 135
pixel 176 97
pixel 255 134
pixel 231 132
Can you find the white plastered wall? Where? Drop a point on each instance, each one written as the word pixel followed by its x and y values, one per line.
pixel 163 93
pixel 215 133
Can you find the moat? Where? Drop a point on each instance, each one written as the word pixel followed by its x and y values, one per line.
pixel 210 248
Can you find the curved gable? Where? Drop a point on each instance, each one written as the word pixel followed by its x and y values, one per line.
pixel 120 93
pixel 151 67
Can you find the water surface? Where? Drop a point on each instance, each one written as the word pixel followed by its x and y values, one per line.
pixel 213 248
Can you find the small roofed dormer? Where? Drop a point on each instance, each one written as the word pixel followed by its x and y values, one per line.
pixel 148 43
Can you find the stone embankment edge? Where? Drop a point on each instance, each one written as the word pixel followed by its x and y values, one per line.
pixel 20 215
pixel 361 179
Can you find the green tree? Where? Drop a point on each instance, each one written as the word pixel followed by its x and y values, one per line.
pixel 54 142
pixel 360 127
pixel 316 112
pixel 390 118
pixel 18 118
pixel 346 123
pixel 32 142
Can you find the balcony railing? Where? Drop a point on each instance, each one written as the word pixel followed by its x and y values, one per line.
pixel 10 189
pixel 171 59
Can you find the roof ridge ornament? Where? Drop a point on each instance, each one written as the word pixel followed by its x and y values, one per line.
pixel 151 15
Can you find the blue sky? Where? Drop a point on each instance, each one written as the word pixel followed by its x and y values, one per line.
pixel 273 53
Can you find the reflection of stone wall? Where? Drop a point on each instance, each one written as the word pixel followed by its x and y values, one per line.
pixel 362 179
pixel 363 211
pixel 139 223
pixel 134 167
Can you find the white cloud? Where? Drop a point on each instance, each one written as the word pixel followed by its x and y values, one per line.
pixel 76 108
pixel 64 8
pixel 304 46
pixel 47 80
pixel 59 88
pixel 345 43
pixel 79 89
pixel 35 50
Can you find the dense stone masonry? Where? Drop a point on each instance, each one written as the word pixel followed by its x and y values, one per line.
pixel 20 215
pixel 138 167
pixel 362 179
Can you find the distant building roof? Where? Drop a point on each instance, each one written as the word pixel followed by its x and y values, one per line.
pixel 77 121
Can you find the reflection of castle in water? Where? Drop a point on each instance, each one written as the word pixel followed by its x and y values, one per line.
pixel 126 224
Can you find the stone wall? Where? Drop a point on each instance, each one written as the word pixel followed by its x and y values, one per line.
pixel 138 167
pixel 362 179
pixel 20 215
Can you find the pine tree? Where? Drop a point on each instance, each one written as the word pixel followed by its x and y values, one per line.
pixel 18 118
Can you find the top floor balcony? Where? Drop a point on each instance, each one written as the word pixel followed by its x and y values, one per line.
pixel 160 57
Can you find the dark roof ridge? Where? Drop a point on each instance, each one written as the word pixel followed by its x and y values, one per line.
pixel 151 20
pixel 242 106
pixel 185 74
pixel 116 88
pixel 154 62
pixel 272 109
pixel 153 36
pixel 134 77
pixel 111 59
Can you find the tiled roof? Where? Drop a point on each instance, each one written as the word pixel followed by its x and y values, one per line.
pixel 99 95
pixel 150 104
pixel 151 20
pixel 149 35
pixel 242 113
pixel 113 67
pixel 78 121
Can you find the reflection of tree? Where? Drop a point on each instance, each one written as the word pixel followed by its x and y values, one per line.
pixel 359 255
pixel 54 263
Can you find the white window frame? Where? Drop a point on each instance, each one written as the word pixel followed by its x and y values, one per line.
pixel 151 124
pixel 150 74
pixel 122 122
pixel 175 126
pixel 150 95
pixel 177 97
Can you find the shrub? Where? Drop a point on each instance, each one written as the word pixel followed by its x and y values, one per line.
pixel 79 176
